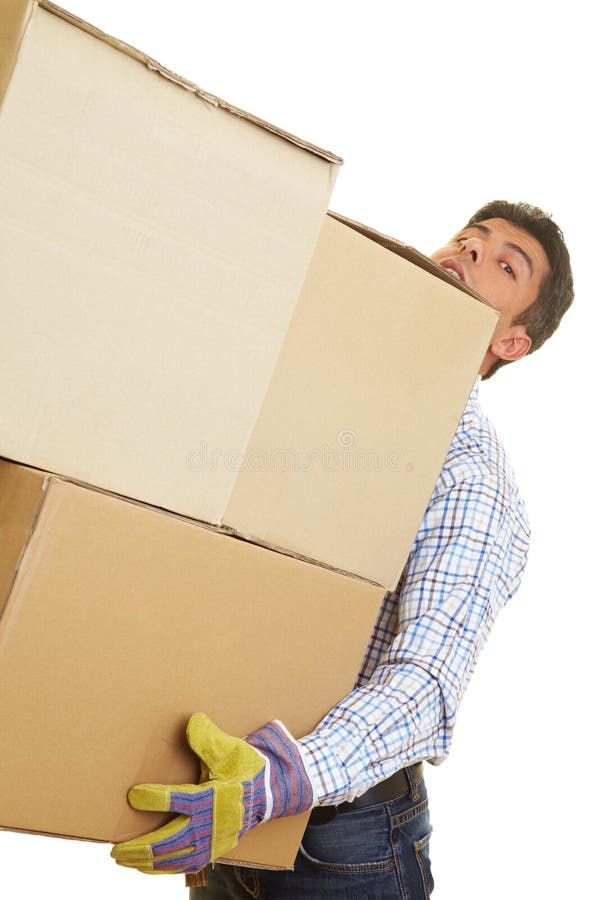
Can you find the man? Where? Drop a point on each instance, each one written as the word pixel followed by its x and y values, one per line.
pixel 360 769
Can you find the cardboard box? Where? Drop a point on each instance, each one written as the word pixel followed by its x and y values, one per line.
pixel 118 622
pixel 164 344
pixel 372 379
pixel 153 243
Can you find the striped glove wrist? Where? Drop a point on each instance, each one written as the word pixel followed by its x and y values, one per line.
pixel 287 789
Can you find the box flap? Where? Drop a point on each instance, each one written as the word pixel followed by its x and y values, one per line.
pixel 14 19
pixel 21 491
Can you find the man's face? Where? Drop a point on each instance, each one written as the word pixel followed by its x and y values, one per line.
pixel 503 263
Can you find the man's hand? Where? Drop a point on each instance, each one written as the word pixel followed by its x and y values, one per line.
pixel 251 780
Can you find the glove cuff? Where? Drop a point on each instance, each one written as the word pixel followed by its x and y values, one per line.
pixel 287 787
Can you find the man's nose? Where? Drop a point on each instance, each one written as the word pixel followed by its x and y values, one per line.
pixel 474 247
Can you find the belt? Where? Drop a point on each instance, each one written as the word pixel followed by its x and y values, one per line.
pixel 397 785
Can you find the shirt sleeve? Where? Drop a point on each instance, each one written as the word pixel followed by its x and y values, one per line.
pixel 466 562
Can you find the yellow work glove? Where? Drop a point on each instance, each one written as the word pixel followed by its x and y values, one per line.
pixel 251 780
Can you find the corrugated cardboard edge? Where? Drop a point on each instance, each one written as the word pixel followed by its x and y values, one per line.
pixel 51 834
pixel 155 66
pixel 252 865
pixel 14 20
pixel 412 255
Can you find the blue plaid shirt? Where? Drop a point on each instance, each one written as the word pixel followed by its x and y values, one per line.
pixel 465 563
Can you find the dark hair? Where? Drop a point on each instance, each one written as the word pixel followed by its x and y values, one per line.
pixel 542 317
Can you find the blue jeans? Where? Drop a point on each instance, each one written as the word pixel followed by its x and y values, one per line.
pixel 376 853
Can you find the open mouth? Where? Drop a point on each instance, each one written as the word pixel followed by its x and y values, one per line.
pixel 454 269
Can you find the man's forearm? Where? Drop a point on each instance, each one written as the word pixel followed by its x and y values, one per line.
pixel 382 727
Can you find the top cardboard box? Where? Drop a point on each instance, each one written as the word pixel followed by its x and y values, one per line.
pixel 164 336
pixel 154 241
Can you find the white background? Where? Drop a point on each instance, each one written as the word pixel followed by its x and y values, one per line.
pixel 437 109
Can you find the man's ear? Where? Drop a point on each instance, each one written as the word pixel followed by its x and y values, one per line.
pixel 513 347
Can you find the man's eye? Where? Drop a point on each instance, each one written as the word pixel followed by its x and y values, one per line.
pixel 508 269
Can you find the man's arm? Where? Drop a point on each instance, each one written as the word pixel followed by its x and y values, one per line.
pixel 466 562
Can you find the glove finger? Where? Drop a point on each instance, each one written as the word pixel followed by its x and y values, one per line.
pixel 146 870
pixel 159 797
pixel 197 804
pixel 140 851
pixel 157 862
pixel 227 757
pixel 197 809
pixel 193 860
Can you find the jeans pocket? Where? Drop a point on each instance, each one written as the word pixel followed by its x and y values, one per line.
pixel 421 848
pixel 353 842
pixel 248 879
pixel 411 833
pixel 347 868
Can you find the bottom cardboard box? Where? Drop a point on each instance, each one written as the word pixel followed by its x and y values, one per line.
pixel 118 621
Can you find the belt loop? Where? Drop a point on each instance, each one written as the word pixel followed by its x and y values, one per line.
pixel 411 772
